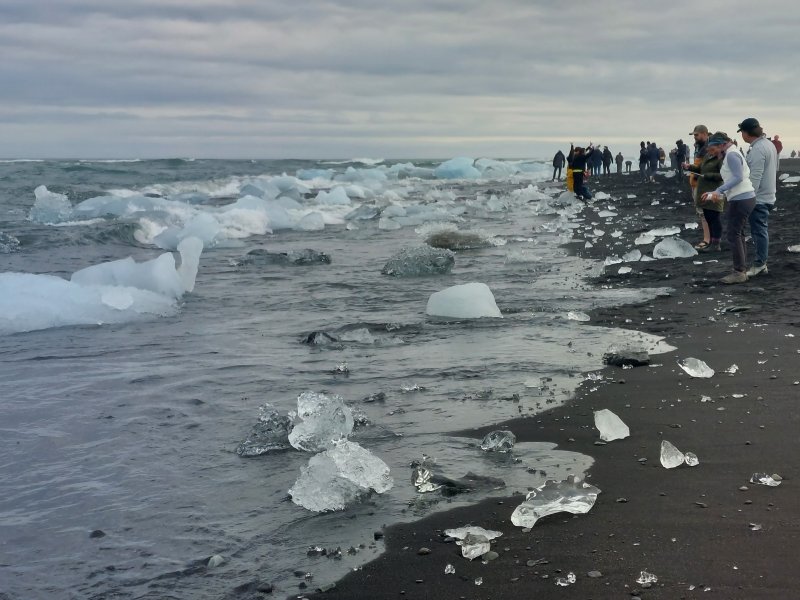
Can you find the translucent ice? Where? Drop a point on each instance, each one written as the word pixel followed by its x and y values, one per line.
pixel 313 221
pixel 8 243
pixel 644 239
pixel 467 301
pixel 610 426
pixel 671 457
pixel 632 256
pixel 269 434
pixel 420 261
pixel 453 239
pixel 339 476
pixel 449 570
pixel 50 207
pixel 568 580
pixel 571 495
pixel 578 316
pixel 421 478
pixel 765 479
pixel 645 577
pixel 457 168
pixel 696 368
pixel 673 248
pixel 732 370
pixel 624 270
pixel 664 231
pixel 498 441
pixel 474 541
pixel 691 459
pixel 336 196
pixel 323 420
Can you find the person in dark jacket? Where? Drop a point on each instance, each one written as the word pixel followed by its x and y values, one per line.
pixel 709 179
pixel 580 159
pixel 558 163
pixel 680 157
pixel 619 158
pixel 608 158
pixel 642 162
pixel 652 159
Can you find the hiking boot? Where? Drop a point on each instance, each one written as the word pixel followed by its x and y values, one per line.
pixel 757 270
pixel 710 248
pixel 735 277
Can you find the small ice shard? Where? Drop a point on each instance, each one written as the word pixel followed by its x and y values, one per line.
pixel 467 301
pixel 498 441
pixel 644 239
pixel 645 577
pixel 565 581
pixel 606 213
pixel 419 261
pixel 602 196
pixel 766 479
pixel 452 239
pixel 696 368
pixel 755 527
pixel 664 231
pixel 263 257
pixel 632 256
pixel 673 248
pixel 616 234
pixel 691 459
pixel 671 457
pixel 705 398
pixel 598 232
pixel 323 420
pixel 795 248
pixel 215 561
pixel 339 476
pixel 421 478
pixel 269 434
pixel 732 369
pixel 479 581
pixel 612 260
pixel 626 356
pixel 449 570
pixel 578 316
pixel 571 495
pixel 474 541
pixel 610 426
pixel 624 270
pixel 691 226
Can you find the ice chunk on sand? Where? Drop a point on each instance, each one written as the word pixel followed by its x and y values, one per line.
pixel 324 420
pixel 451 238
pixel 574 315
pixel 157 275
pixel 313 221
pixel 50 207
pixel 673 248
pixel 671 457
pixel 696 368
pixel 339 476
pixel 624 270
pixel 645 578
pixel 691 459
pixel 308 256
pixel 419 261
pixel 665 231
pixel 766 479
pixel 269 434
pixel 337 196
pixel 632 256
pixel 644 239
pixel 474 541
pixel 498 441
pixel 457 168
pixel 571 495
pixel 610 426
pixel 421 478
pixel 467 301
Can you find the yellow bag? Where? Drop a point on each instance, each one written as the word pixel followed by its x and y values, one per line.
pixel 569 179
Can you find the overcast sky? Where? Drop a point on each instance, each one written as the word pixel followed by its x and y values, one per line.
pixel 384 78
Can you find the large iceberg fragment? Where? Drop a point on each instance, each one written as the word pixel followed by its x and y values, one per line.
pixel 263 257
pixel 50 207
pixel 324 420
pixel 457 168
pixel 269 434
pixel 673 248
pixel 467 301
pixel 474 541
pixel 696 368
pixel 419 261
pixel 670 456
pixel 343 474
pixel 610 426
pixel 571 495
pixel 498 441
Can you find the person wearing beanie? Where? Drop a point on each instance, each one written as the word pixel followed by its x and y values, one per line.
pixel 738 191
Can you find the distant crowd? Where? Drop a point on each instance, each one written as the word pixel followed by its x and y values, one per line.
pixel 721 179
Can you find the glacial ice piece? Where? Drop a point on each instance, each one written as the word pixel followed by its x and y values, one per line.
pixel 457 168
pixel 673 248
pixel 157 275
pixel 474 541
pixel 691 459
pixel 627 356
pixel 610 426
pixel 8 243
pixel 50 207
pixel 571 495
pixel 644 239
pixel 645 577
pixel 732 370
pixel 665 231
pixel 794 248
pixel 313 221
pixel 766 479
pixel 339 476
pixel 449 569
pixel 269 434
pixel 388 224
pixel 671 457
pixel 696 368
pixel 498 441
pixel 624 270
pixel 421 478
pixel 323 421
pixel 568 580
pixel 336 196
pixel 453 239
pixel 419 261
pixel 467 301
pixel 632 256
pixel 578 316
pixel 261 256
pixel 612 260
pixel 365 212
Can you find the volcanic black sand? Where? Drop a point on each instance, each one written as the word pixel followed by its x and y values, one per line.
pixel 704 531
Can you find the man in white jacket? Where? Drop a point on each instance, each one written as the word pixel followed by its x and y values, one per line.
pixel 762 158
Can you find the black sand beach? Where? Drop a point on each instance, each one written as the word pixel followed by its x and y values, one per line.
pixel 704 531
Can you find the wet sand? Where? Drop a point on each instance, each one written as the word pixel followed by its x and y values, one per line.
pixel 704 531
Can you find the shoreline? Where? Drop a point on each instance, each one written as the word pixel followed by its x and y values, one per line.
pixel 694 528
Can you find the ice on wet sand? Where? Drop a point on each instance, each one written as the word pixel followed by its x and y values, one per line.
pixel 610 426
pixel 421 478
pixel 324 419
pixel 578 316
pixel 673 248
pixel 467 301
pixel 571 495
pixel 269 434
pixel 671 457
pixel 474 541
pixel 696 368
pixel 340 476
pixel 420 261
pixel 498 441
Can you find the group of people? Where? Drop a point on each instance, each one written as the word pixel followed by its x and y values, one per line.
pixel 743 188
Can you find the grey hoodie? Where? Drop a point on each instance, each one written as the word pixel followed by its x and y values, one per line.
pixel 762 158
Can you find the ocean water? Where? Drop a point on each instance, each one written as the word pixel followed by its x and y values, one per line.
pixel 130 424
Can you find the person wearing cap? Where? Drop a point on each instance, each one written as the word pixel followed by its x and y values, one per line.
pixel 762 159
pixel 738 191
pixel 700 134
pixel 707 179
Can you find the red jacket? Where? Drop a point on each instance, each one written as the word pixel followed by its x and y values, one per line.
pixel 778 145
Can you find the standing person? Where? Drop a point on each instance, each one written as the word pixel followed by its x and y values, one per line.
pixel 558 163
pixel 673 164
pixel 596 157
pixel 579 164
pixel 618 159
pixel 608 158
pixel 707 178
pixel 700 134
pixel 628 165
pixel 570 156
pixel 762 159
pixel 642 162
pixel 738 191
pixel 652 159
pixel 680 158
pixel 662 157
pixel 778 146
